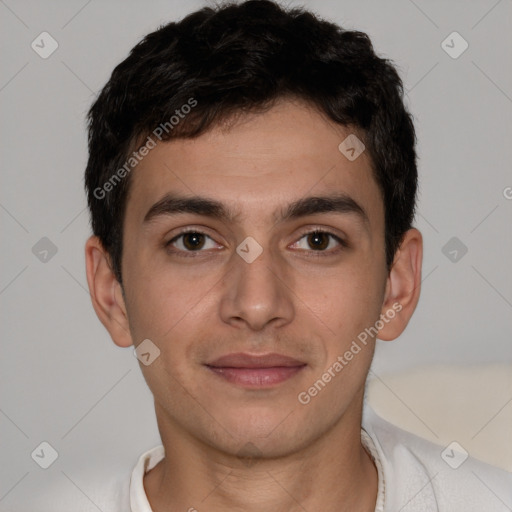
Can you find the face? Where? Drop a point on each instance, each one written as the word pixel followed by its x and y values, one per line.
pixel 251 289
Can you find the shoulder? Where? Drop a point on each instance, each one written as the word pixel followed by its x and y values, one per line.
pixel 422 476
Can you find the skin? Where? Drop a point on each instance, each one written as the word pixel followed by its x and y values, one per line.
pixel 294 299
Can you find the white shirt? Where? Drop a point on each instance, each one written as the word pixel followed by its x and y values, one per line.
pixel 414 474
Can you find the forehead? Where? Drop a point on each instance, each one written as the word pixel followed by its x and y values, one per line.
pixel 256 164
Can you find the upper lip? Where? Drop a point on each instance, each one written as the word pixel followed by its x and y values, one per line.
pixel 244 360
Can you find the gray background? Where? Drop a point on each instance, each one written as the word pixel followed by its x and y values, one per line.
pixel 63 380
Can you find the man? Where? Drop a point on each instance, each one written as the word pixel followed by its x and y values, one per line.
pixel 252 181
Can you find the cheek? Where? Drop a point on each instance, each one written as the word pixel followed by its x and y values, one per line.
pixel 155 305
pixel 349 305
pixel 344 299
pixel 172 309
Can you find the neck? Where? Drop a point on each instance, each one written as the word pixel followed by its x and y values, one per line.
pixel 335 473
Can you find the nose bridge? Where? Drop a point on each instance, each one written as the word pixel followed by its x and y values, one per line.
pixel 256 289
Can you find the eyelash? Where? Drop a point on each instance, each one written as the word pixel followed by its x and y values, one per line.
pixel 187 254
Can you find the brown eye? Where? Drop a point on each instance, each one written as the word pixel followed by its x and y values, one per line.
pixel 318 240
pixel 193 241
pixel 320 243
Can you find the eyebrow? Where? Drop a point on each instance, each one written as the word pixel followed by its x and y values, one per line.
pixel 338 203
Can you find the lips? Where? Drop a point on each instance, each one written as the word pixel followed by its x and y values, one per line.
pixel 243 360
pixel 256 371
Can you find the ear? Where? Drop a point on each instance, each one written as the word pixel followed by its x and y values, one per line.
pixel 106 293
pixel 402 287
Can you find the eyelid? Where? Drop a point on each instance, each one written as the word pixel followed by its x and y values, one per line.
pixel 320 229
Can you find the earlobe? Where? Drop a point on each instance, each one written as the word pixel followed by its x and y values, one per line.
pixel 402 287
pixel 106 294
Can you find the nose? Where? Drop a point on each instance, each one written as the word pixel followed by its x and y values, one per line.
pixel 257 293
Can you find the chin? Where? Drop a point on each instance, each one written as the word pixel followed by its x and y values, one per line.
pixel 271 432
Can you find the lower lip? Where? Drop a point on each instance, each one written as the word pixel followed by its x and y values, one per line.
pixel 257 377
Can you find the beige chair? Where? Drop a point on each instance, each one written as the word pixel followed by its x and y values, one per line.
pixel 468 404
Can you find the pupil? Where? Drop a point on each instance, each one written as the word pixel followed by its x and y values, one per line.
pixel 193 240
pixel 318 240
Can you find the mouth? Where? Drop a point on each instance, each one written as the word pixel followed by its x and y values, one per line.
pixel 256 371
